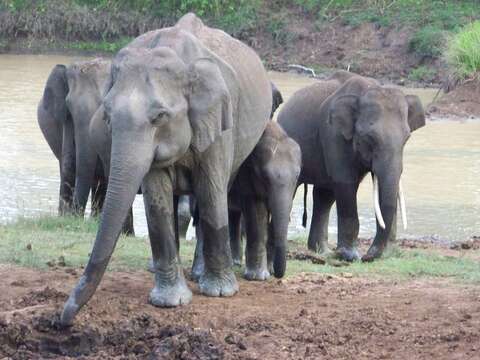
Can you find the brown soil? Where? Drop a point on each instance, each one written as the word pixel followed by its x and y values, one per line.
pixel 309 316
pixel 461 102
pixel 368 49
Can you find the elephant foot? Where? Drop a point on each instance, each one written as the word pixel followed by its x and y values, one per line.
pixel 166 294
pixel 218 285
pixel 256 274
pixel 237 262
pixel 374 252
pixel 347 254
pixel 325 251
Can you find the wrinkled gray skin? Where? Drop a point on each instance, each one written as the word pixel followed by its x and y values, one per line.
pixel 261 195
pixel 187 105
pixel 347 127
pixel 71 96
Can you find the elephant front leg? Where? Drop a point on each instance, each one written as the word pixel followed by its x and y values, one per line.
pixel 318 235
pixel 170 286
pixel 217 279
pixel 256 223
pixel 384 239
pixel 348 225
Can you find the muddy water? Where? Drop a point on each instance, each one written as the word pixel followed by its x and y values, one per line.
pixel 441 173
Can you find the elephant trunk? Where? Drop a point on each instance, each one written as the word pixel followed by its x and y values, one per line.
pixel 280 204
pixel 86 165
pixel 126 175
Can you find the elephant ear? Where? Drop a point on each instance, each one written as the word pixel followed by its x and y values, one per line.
pixel 416 113
pixel 342 114
pixel 210 105
pixel 55 92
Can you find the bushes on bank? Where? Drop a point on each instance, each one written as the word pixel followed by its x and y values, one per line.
pixel 463 51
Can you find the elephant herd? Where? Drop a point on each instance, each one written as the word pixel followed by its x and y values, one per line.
pixel 187 110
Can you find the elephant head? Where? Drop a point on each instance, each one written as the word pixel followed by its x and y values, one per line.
pixel 158 110
pixel 375 122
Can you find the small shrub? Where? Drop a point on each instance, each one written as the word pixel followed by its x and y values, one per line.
pixel 428 42
pixel 422 73
pixel 463 51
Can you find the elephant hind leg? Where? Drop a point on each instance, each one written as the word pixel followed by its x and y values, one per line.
pixel 323 200
pixel 234 224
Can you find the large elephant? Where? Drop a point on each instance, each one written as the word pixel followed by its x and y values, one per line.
pixel 186 106
pixel 346 128
pixel 71 96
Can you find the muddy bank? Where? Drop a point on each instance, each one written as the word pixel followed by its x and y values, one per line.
pixel 460 102
pixel 305 316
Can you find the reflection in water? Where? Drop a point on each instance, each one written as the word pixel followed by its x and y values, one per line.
pixel 441 165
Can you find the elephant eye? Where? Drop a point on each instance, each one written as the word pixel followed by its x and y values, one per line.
pixel 160 118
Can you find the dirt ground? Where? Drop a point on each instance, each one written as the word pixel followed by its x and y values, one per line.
pixel 462 102
pixel 308 316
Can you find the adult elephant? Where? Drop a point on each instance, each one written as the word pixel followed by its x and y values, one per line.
pixel 71 96
pixel 187 105
pixel 346 131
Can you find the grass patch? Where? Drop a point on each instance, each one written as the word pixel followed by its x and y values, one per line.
pixel 37 242
pixel 34 243
pixel 463 51
pixel 422 73
pixel 103 46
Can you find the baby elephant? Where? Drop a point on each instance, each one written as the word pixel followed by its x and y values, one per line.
pixel 263 191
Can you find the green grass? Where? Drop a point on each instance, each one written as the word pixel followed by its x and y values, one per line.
pixel 34 243
pixel 422 73
pixel 102 46
pixel 463 52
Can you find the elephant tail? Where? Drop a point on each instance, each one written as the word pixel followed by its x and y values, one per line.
pixel 305 192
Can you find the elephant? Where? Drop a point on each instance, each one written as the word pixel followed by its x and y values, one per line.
pixel 264 190
pixel 186 106
pixel 347 127
pixel 71 96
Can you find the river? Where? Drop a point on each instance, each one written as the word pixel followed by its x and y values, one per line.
pixel 441 176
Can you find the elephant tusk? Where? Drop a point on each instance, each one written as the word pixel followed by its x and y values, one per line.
pixel 401 204
pixel 376 202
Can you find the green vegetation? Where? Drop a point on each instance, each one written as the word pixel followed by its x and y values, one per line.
pixel 103 46
pixel 53 241
pixel 422 73
pixel 50 241
pixel 463 53
pixel 428 41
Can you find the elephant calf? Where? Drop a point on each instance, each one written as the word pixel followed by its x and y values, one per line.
pixel 264 191
pixel 347 128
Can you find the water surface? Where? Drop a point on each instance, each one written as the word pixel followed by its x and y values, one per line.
pixel 441 164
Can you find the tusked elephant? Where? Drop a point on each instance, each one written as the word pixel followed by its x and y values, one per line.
pixel 71 96
pixel 347 127
pixel 186 106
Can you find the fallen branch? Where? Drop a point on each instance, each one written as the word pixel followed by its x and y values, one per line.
pixel 303 69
